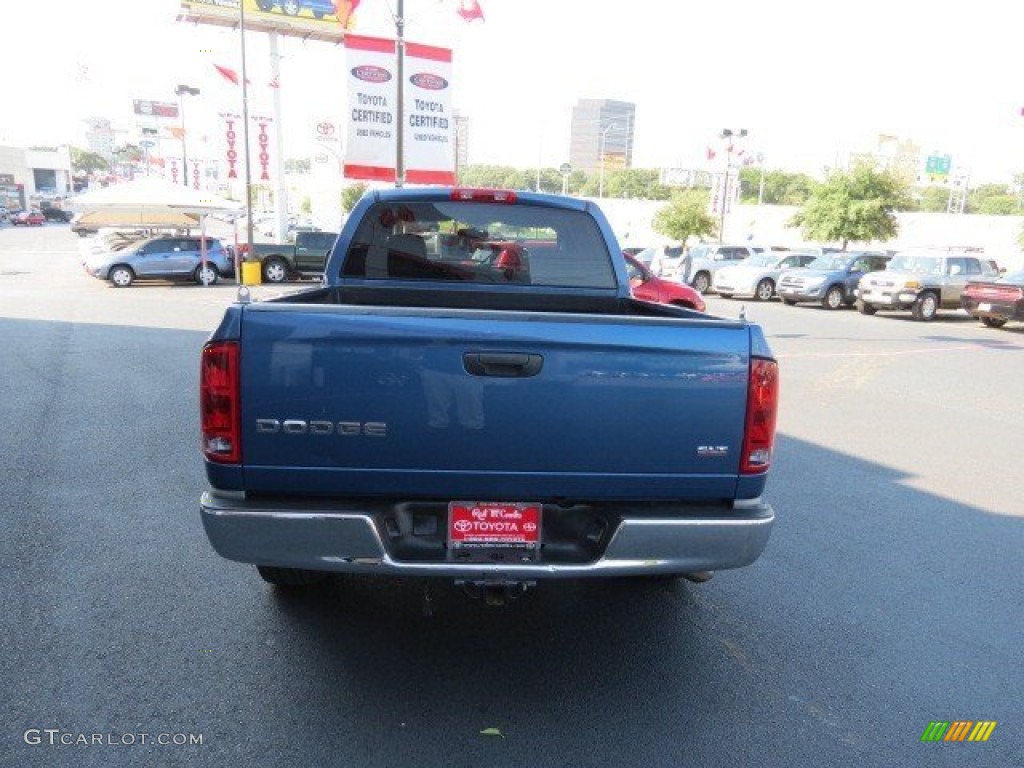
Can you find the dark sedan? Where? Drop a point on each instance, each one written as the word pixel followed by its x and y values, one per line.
pixel 997 301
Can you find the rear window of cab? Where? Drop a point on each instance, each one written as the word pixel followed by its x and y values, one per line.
pixel 480 242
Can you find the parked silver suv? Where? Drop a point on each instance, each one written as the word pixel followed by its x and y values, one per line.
pixel 922 281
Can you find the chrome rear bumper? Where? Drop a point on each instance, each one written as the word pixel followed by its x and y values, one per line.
pixel 344 538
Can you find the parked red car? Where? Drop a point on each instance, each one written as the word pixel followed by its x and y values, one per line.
pixel 29 218
pixel 995 302
pixel 648 287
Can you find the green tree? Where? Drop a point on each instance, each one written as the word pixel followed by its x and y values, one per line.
pixel 577 181
pixel 85 162
pixel 932 199
pixel 636 183
pixel 856 205
pixel 350 196
pixel 126 153
pixel 780 187
pixel 993 200
pixel 686 215
pixel 497 177
pixel 306 206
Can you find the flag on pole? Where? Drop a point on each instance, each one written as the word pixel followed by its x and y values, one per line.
pixel 470 10
pixel 709 153
pixel 344 10
pixel 229 74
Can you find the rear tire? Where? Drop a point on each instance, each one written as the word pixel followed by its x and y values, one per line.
pixel 290 577
pixel 866 309
pixel 833 298
pixel 926 307
pixel 765 290
pixel 993 322
pixel 274 271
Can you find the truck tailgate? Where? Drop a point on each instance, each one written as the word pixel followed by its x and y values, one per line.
pixel 468 404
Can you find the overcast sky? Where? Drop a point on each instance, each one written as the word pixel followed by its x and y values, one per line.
pixel 810 81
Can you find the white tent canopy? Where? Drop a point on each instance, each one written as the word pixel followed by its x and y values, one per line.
pixel 149 202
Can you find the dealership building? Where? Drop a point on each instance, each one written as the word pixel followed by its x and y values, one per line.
pixel 28 175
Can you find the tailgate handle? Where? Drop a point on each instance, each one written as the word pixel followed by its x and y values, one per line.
pixel 505 365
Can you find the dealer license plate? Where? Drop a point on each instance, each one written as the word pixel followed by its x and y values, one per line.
pixel 985 307
pixel 493 526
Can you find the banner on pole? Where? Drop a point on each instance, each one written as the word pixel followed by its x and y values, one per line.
pixel 429 127
pixel 261 149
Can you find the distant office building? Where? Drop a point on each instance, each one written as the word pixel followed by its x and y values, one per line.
pixel 893 153
pixel 100 137
pixel 602 125
pixel 461 141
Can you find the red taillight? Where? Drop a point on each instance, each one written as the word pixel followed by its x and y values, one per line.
pixel 762 407
pixel 484 195
pixel 1009 293
pixel 218 403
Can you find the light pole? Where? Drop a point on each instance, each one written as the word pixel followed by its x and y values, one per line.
pixel 184 90
pixel 600 183
pixel 727 135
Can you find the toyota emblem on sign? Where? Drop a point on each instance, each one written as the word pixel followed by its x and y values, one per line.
pixel 463 525
pixel 326 130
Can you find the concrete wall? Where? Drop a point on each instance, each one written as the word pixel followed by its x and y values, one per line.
pixel 631 220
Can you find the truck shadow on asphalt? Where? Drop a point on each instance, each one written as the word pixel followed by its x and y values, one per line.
pixel 863 579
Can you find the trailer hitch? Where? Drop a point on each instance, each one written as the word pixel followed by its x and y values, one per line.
pixel 495 593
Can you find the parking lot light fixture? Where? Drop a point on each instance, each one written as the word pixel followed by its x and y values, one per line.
pixel 181 91
pixel 604 134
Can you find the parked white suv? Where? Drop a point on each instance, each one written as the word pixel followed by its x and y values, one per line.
pixel 705 260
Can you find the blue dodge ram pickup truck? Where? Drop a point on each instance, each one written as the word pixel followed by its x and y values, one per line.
pixel 474 394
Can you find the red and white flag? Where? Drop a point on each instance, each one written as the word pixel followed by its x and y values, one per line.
pixel 470 10
pixel 229 74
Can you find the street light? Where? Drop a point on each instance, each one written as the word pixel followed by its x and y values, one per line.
pixel 604 134
pixel 727 135
pixel 184 90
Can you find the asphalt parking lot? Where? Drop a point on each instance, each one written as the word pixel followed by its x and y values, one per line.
pixel 889 596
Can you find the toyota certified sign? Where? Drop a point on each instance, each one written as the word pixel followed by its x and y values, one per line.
pixel 371 74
